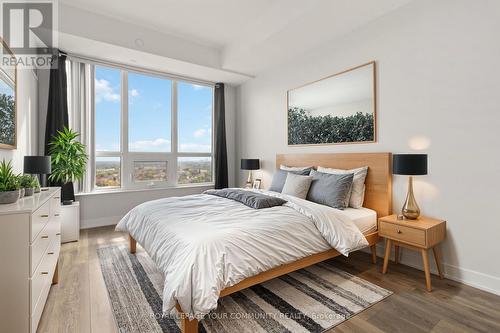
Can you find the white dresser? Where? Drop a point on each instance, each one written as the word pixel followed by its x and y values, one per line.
pixel 30 240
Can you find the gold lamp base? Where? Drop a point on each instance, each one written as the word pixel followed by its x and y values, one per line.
pixel 249 180
pixel 410 210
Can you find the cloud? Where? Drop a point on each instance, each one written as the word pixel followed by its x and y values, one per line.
pixel 104 92
pixel 133 93
pixel 194 148
pixel 198 87
pixel 200 133
pixel 158 144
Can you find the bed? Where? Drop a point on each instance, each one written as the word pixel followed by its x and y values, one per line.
pixel 210 247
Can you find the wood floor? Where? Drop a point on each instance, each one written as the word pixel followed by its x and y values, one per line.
pixel 79 303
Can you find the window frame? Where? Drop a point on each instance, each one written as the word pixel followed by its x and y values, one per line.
pixel 127 157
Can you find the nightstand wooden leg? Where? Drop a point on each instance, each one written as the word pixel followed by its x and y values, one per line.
pixel 435 250
pixel 373 249
pixel 396 254
pixel 425 259
pixel 387 254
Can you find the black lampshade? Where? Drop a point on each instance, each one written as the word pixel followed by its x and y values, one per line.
pixel 37 165
pixel 409 164
pixel 250 164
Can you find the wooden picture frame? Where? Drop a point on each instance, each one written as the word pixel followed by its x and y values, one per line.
pixel 9 81
pixel 308 103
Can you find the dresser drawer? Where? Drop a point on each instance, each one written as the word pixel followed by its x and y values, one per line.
pixel 55 204
pixel 42 280
pixel 50 233
pixel 39 219
pixel 40 247
pixel 402 233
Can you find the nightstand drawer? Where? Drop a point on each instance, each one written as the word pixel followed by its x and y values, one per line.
pixel 402 233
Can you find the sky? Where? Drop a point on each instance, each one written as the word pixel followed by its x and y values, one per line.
pixel 150 113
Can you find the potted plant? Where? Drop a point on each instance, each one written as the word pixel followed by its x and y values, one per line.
pixel 9 184
pixel 28 183
pixel 69 160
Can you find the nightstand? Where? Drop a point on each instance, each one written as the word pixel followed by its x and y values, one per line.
pixel 421 235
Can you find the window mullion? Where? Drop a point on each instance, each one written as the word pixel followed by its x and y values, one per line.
pixel 126 163
pixel 175 138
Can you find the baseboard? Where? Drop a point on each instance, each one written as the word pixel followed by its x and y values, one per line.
pixel 469 277
pixel 99 222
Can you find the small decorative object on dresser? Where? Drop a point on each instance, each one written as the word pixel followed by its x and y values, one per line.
pixel 70 222
pixel 256 184
pixel 250 164
pixel 30 240
pixel 410 165
pixel 422 234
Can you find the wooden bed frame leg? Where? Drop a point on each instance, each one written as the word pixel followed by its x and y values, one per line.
pixel 189 326
pixel 373 249
pixel 132 244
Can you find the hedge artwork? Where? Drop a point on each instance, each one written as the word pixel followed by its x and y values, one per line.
pixel 306 129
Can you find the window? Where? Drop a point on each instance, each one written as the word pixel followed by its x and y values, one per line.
pixel 145 171
pixel 150 130
pixel 194 170
pixel 107 97
pixel 149 113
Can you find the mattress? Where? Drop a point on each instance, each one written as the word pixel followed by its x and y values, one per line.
pixel 364 218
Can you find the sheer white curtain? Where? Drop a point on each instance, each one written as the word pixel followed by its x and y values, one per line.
pixel 80 110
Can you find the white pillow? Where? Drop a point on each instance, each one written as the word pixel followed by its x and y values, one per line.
pixel 297 185
pixel 357 195
pixel 289 168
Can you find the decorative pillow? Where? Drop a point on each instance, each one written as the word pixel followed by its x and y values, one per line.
pixel 297 185
pixel 279 178
pixel 357 195
pixel 292 168
pixel 330 189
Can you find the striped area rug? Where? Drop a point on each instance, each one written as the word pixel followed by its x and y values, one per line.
pixel 309 300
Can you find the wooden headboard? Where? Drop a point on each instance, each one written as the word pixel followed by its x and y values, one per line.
pixel 378 191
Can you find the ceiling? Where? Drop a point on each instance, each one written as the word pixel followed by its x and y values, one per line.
pixel 248 35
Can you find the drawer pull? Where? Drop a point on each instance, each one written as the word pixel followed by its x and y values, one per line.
pixel 45 273
pixel 50 253
pixel 399 231
pixel 57 197
pixel 45 236
pixel 58 234
pixel 56 214
pixel 44 215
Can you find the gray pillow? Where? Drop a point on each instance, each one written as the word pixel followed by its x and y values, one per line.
pixel 248 198
pixel 330 189
pixel 297 185
pixel 279 178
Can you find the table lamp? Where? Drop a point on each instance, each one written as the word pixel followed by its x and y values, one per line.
pixel 250 164
pixel 410 165
pixel 39 165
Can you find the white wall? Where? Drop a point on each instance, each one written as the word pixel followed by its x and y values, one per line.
pixel 438 87
pixel 27 119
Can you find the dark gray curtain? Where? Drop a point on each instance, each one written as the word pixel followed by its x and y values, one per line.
pixel 220 154
pixel 57 106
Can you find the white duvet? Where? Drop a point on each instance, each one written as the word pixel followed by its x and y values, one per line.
pixel 203 243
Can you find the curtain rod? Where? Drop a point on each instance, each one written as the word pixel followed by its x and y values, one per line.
pixel 97 61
